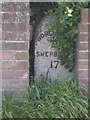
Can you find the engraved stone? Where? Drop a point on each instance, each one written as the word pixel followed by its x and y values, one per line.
pixel 46 62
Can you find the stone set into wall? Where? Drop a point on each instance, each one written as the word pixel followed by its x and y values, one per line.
pixel 14 53
pixel 82 66
pixel 14 46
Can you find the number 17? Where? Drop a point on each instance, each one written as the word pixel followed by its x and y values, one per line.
pixel 54 64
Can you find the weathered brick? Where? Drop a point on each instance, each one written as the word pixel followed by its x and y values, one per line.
pixel 7 55
pixel 14 27
pixel 84 37
pixel 0 67
pixel 83 64
pixel 89 48
pixel 85 84
pixel 84 81
pixel 1 46
pixel 83 46
pixel 15 74
pixel 15 83
pixel 22 56
pixel 0 72
pixel 88 15
pixel 15 36
pixel 15 17
pixel 15 46
pixel 0 52
pixel 0 18
pixel 85 15
pixel 15 65
pixel 83 73
pixel 0 7
pixel 83 27
pixel 15 6
pixel 15 54
pixel 1 36
pixel 7 65
pixel 89 55
pixel 89 70
pixel 82 55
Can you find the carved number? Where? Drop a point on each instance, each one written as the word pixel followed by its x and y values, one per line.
pixel 54 64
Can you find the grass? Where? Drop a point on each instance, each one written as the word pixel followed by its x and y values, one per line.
pixel 46 99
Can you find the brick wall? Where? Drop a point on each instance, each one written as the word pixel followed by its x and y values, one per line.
pixel 82 66
pixel 0 64
pixel 14 53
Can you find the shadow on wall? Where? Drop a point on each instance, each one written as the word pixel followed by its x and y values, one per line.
pixel 37 12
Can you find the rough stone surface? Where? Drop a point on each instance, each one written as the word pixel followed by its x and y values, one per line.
pixel 46 62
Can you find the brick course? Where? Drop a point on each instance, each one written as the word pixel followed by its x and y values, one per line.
pixel 15 46
pixel 14 53
pixel 84 37
pixel 15 36
pixel 82 64
pixel 15 74
pixel 15 65
pixel 15 6
pixel 82 55
pixel 14 17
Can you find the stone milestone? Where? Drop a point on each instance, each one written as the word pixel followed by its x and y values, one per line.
pixel 46 61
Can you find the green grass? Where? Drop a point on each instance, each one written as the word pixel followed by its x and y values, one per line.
pixel 46 99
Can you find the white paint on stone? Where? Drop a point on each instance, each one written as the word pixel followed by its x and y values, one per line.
pixel 43 63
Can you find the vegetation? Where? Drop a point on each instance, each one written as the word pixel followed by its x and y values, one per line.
pixel 65 29
pixel 46 99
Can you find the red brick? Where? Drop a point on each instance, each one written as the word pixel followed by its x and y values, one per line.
pixel 15 6
pixel 15 46
pixel 76 68
pixel 83 69
pixel 89 54
pixel 15 74
pixel 0 18
pixel 7 65
pixel 83 73
pixel 83 46
pixel 0 35
pixel 83 64
pixel 0 72
pixel 6 55
pixel 89 45
pixel 83 27
pixel 85 15
pixel 84 37
pixel 14 17
pixel 13 65
pixel 89 69
pixel 22 56
pixel 0 53
pixel 13 27
pixel 0 45
pixel 15 83
pixel 14 36
pixel 85 83
pixel 82 55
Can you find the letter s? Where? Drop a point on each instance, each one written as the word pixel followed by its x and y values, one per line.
pixel 37 54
